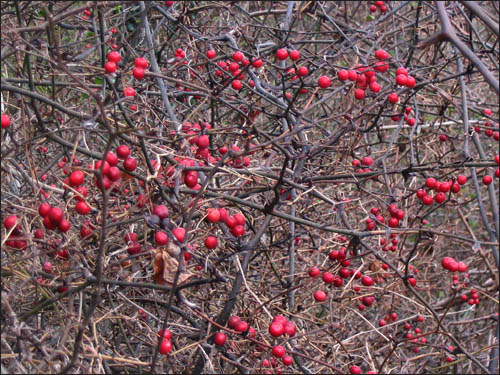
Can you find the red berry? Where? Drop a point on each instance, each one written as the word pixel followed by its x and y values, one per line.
pixel 290 328
pixel 213 215
pixel 401 80
pixel 241 326
pixel 294 55
pixel 282 54
pixel 82 208
pixel 55 215
pixel 368 300
pixel 375 87
pixel 462 267
pixel 220 338
pixel 111 158
pixel 64 225
pixel 191 179
pixel 343 75
pixel 165 346
pixel 110 67
pixel 278 351
pixel 238 230
pixel 314 272
pixel 236 84
pixel 440 197
pixel 319 296
pixel 352 75
pixel 461 179
pixel 114 174
pixel 324 82
pixel 367 160
pixel 130 164
pixel 76 178
pixel 211 54
pixel 367 281
pixel 393 98
pixel 303 71
pixel 123 151
pixel 431 183
pixel 179 233
pixel 129 91
pixel 381 66
pixel 487 180
pixel 427 200
pixel 233 321
pixel 328 277
pixel 276 329
pixel 238 56
pixel 240 219
pixel 402 71
pixel 166 335
pixel 114 56
pixel 43 209
pixel 5 121
pixel 138 73
pixel 161 238
pixel 287 360
pixel 381 54
pixel 450 264
pixel 393 222
pixel 141 62
pixel 211 242
pixel 10 222
pixel 257 63
pixel 223 215
pixel 355 370
pixel 410 81
pixel 382 322
pixel 359 94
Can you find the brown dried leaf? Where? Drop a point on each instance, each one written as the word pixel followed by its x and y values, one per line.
pixel 165 268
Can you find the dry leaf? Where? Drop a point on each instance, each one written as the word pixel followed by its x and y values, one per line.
pixel 165 268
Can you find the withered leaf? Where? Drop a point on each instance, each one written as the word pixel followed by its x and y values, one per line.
pixel 165 268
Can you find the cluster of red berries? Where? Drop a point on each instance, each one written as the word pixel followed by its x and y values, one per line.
pixel 452 265
pixel 166 344
pixel 373 8
pixel 283 54
pixel 489 132
pixel 472 299
pixel 392 246
pixel 53 217
pixel 282 326
pixel 366 161
pixel 396 215
pixel 15 238
pixel 201 141
pixel 111 174
pixel 366 77
pixel 239 325
pixel 141 64
pixel 237 162
pixel 111 65
pixel 441 188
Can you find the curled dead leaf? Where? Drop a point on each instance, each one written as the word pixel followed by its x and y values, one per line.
pixel 165 268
